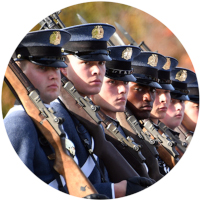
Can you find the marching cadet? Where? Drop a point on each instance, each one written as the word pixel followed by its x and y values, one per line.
pixel 40 56
pixel 140 102
pixel 86 56
pixel 189 122
pixel 112 99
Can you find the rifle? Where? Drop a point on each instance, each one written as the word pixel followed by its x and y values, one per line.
pixel 49 23
pixel 165 147
pixel 97 116
pixel 50 126
pixel 131 127
pixel 180 146
pixel 185 135
pixel 134 124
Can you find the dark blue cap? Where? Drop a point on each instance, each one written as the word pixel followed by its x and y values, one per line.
pixel 89 41
pixel 120 66
pixel 44 47
pixel 164 73
pixel 193 91
pixel 180 78
pixel 146 66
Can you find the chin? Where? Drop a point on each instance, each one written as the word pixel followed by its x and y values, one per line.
pixel 143 116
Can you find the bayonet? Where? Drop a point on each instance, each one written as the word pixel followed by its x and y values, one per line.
pixel 131 40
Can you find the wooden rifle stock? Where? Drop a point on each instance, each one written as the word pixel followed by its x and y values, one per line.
pixel 78 185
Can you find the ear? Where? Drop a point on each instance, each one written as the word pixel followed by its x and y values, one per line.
pixel 64 71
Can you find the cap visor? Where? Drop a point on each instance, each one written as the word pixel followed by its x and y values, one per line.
pixel 167 87
pixel 180 96
pixel 95 57
pixel 126 78
pixel 56 64
pixel 148 83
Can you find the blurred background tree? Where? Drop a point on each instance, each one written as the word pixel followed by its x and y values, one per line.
pixel 140 25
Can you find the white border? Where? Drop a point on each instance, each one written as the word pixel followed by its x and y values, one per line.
pixel 182 17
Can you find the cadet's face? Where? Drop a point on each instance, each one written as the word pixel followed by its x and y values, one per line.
pixel 46 79
pixel 174 114
pixel 190 115
pixel 87 76
pixel 160 104
pixel 141 100
pixel 112 97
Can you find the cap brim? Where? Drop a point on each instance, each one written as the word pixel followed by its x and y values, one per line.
pixel 148 83
pixel 180 96
pixel 56 64
pixel 94 57
pixel 126 78
pixel 167 87
pixel 194 98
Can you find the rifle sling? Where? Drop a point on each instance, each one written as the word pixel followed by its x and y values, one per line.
pixel 85 141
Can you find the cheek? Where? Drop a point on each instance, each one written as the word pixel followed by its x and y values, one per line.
pixel 131 96
pixel 171 111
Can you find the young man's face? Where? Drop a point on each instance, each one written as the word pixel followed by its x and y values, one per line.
pixel 174 114
pixel 160 104
pixel 46 79
pixel 141 100
pixel 112 97
pixel 190 115
pixel 87 76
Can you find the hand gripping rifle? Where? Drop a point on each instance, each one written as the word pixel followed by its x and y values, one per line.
pixel 78 105
pixel 50 126
pixel 170 158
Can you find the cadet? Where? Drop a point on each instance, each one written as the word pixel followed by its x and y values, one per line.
pixel 113 96
pixel 40 56
pixel 189 122
pixel 180 78
pixel 162 100
pixel 163 97
pixel 87 54
pixel 141 97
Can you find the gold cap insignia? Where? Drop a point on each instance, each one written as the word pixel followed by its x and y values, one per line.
pixel 97 32
pixel 167 64
pixel 153 60
pixel 181 75
pixel 127 53
pixel 55 38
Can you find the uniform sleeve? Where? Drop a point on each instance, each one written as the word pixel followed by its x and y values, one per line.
pixel 106 189
pixel 22 134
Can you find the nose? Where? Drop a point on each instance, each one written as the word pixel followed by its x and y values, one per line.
pixel 122 88
pixel 163 98
pixel 179 106
pixel 53 73
pixel 148 96
pixel 95 69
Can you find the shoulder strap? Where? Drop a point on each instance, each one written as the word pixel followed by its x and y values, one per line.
pixel 84 138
